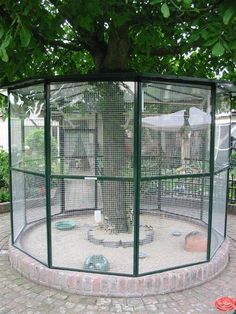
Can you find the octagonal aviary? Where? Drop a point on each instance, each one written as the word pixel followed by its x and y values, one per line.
pixel 116 176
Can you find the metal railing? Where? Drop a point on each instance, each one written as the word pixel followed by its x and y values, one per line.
pixel 232 189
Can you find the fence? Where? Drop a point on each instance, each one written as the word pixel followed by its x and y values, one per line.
pixel 232 189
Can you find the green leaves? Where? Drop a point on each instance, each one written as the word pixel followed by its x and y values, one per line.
pixel 25 36
pixel 155 1
pixel 204 30
pixel 218 49
pixel 233 45
pixel 165 10
pixel 5 43
pixel 4 55
pixel 1 31
pixel 193 37
pixel 211 42
pixel 228 15
pixel 187 2
pixel 86 22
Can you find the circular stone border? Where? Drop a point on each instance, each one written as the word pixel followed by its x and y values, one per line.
pixel 119 286
pixel 148 238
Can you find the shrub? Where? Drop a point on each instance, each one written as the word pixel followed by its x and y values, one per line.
pixel 35 141
pixel 4 195
pixel 4 176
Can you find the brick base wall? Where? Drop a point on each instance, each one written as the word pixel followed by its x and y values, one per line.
pixel 119 286
pixel 4 207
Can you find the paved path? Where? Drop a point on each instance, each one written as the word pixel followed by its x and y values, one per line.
pixel 19 295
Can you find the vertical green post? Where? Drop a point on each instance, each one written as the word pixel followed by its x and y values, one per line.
pixel 227 200
pixel 137 171
pixel 47 129
pixel 212 168
pixel 159 156
pixel 203 156
pixel 10 171
pixel 22 128
pixel 96 159
pixel 229 156
pixel 62 162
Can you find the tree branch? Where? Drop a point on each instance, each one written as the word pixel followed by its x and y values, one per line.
pixel 73 46
pixel 87 38
pixel 172 51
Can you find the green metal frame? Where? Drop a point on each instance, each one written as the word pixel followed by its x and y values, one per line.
pixel 212 167
pixel 96 159
pixel 218 171
pixel 230 152
pixel 137 173
pixel 138 79
pixel 28 172
pixel 120 76
pixel 47 133
pixel 10 169
pixel 62 153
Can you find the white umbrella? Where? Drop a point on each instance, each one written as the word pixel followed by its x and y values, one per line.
pixel 198 120
pixel 184 121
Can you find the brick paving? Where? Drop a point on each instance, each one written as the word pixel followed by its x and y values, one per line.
pixel 19 295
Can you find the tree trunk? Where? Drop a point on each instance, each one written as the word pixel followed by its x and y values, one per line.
pixel 115 193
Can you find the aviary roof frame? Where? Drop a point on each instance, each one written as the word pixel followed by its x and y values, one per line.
pixel 119 76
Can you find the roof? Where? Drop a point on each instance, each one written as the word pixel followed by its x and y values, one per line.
pixel 121 76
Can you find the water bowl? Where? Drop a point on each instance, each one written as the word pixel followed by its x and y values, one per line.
pixel 176 233
pixel 97 263
pixel 65 225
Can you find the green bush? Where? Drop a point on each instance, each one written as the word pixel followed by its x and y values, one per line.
pixel 4 176
pixel 4 195
pixel 4 168
pixel 233 164
pixel 34 159
pixel 233 158
pixel 35 140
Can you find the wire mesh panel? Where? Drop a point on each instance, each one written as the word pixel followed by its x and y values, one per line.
pixel 35 198
pixel 91 128
pixel 219 210
pixel 171 211
pixel 71 195
pixel 180 196
pixel 175 129
pixel 222 129
pixel 18 203
pixel 28 154
pixel 87 238
pixel 27 128
pixel 34 237
pixel 175 140
pixel 29 214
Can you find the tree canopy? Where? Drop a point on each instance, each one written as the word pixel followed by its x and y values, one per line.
pixel 182 37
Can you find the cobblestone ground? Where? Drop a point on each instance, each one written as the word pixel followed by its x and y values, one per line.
pixel 19 295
